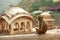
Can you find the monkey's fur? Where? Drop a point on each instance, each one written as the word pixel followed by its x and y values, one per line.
pixel 43 29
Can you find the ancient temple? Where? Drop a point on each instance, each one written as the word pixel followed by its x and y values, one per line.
pixel 15 20
pixel 48 19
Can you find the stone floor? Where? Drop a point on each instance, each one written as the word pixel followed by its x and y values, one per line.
pixel 53 34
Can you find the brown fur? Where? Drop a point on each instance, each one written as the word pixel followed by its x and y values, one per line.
pixel 42 31
pixel 44 27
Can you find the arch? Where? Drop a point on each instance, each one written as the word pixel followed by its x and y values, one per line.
pixel 16 26
pixel 22 26
pixel 22 15
pixel 28 26
pixel 3 26
pixel 9 21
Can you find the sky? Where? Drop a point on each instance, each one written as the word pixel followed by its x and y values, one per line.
pixel 5 4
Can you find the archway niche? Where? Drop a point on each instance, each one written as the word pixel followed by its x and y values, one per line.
pixel 16 26
pixel 28 26
pixel 22 26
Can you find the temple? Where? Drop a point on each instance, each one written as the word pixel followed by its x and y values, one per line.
pixel 15 20
pixel 47 19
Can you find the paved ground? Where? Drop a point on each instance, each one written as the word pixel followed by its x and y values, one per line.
pixel 50 35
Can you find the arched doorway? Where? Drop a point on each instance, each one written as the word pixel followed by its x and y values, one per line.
pixel 22 26
pixel 16 26
pixel 4 28
pixel 28 26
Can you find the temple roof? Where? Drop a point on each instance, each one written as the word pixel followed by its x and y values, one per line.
pixel 46 14
pixel 14 12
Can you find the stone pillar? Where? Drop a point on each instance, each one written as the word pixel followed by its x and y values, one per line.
pixel 11 29
pixel 19 27
pixel 31 26
pixel 5 26
pixel 25 27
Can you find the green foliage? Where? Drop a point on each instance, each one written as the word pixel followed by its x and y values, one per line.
pixel 33 5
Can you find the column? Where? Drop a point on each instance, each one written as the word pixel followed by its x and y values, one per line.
pixel 25 27
pixel 31 26
pixel 5 29
pixel 19 27
pixel 8 30
pixel 4 26
pixel 11 29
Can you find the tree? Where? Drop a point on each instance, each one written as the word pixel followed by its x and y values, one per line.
pixel 34 7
